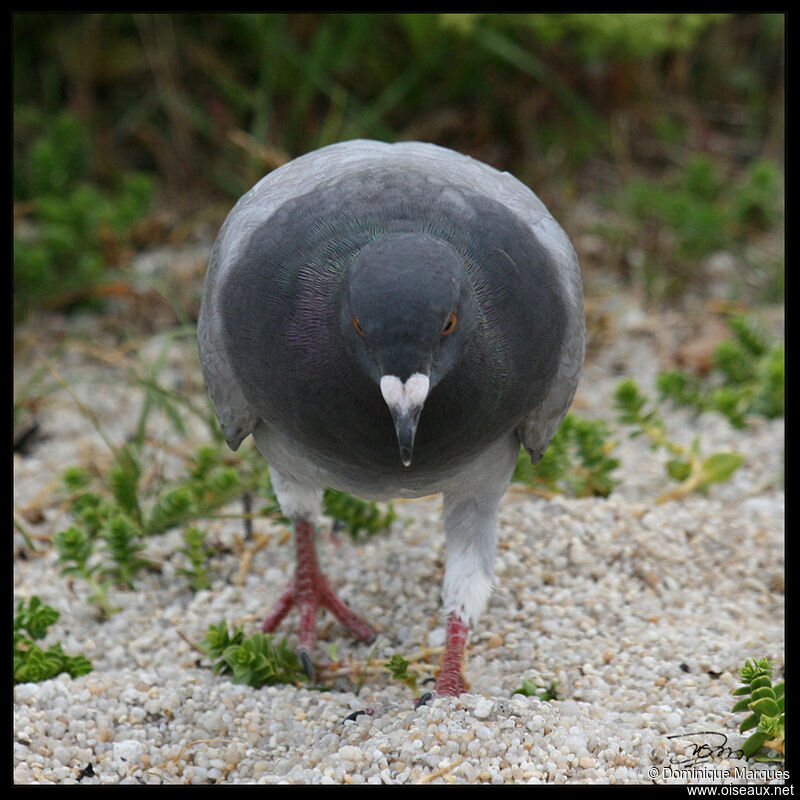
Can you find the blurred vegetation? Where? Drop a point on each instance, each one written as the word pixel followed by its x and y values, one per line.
pixel 678 221
pixel 748 378
pixel 79 228
pixel 675 119
pixel 686 464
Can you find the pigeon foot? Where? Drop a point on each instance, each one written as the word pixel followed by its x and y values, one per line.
pixel 309 591
pixel 451 680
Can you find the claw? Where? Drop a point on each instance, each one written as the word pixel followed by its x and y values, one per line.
pixel 305 660
pixel 356 714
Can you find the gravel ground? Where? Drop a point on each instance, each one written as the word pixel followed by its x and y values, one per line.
pixel 641 613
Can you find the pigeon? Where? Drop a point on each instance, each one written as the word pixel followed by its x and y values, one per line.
pixel 392 321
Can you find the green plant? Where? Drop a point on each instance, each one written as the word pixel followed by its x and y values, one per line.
pixel 74 229
pixel 530 689
pixel 197 552
pixel 748 378
pixel 623 36
pixel 253 660
pixel 765 703
pixel 357 514
pixel 75 548
pixel 679 220
pixel 122 541
pixel 278 84
pixel 688 466
pixel 120 510
pixel 577 462
pixel 119 517
pixel 398 666
pixel 31 663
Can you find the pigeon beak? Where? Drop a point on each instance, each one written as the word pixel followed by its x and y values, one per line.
pixel 405 401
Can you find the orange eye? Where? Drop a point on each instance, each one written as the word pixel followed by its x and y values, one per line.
pixel 450 325
pixel 359 329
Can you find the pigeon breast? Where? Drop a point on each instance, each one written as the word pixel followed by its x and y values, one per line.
pixel 280 320
pixel 392 321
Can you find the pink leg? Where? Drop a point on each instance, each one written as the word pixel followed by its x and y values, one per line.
pixel 308 591
pixel 451 680
pixel 279 610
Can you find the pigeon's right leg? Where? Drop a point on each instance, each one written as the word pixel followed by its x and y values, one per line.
pixel 310 588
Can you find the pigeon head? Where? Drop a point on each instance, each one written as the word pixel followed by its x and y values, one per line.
pixel 407 315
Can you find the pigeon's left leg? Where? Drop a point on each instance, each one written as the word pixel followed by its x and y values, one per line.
pixel 310 588
pixel 471 529
pixel 470 522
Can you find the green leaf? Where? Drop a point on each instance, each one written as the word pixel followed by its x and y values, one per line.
pixel 765 759
pixel 742 705
pixel 73 545
pixel 218 639
pixel 36 618
pixel 77 666
pixel 753 669
pixel 762 691
pixel 357 514
pixel 255 660
pixel 749 722
pixel 576 463
pixel 529 689
pixel 170 509
pixel 754 743
pixel 76 478
pixel 197 552
pixel 122 541
pixel 258 661
pixel 773 725
pixel 765 705
pixel 32 663
pixel 124 481
pixel 720 466
pixel 398 666
pixel 679 469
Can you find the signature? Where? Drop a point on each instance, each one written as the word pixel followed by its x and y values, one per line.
pixel 714 745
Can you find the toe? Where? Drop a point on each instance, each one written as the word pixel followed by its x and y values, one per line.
pixel 305 659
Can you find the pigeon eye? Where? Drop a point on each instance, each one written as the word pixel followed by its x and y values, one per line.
pixel 357 326
pixel 450 325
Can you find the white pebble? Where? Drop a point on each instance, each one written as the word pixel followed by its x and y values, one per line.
pixel 436 637
pixel 483 708
pixel 535 723
pixel 128 752
pixel 351 753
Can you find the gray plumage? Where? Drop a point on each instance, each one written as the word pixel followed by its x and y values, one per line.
pixel 366 259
